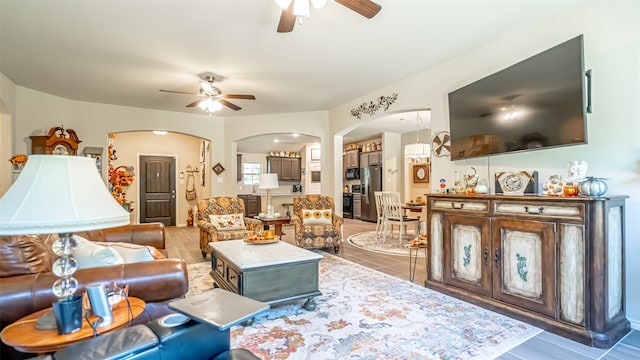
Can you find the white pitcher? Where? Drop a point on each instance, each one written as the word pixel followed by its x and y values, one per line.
pixel 577 170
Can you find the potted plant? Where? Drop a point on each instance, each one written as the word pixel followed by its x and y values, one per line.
pixel 18 161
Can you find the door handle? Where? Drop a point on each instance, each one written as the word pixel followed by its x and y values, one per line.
pixel 485 256
pixel 173 191
pixel 496 258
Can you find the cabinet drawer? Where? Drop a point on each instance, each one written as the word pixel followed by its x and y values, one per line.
pixel 540 209
pixel 218 266
pixel 474 206
pixel 233 278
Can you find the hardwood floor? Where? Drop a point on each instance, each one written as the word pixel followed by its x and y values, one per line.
pixel 184 243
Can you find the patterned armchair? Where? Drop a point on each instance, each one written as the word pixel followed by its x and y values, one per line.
pixel 316 229
pixel 218 231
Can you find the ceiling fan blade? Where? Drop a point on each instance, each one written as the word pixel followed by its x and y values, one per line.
pixel 366 8
pixel 193 104
pixel 178 92
pixel 229 105
pixel 237 96
pixel 287 20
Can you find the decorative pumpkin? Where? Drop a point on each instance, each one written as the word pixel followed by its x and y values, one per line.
pixel 593 186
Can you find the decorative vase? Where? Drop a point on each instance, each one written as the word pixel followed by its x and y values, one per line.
pixel 577 170
pixel 18 166
pixel 593 186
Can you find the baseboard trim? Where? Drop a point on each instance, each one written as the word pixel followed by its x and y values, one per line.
pixel 635 323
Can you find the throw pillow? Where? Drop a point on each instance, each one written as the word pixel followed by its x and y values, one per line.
pixel 89 254
pixel 228 221
pixel 133 253
pixel 314 216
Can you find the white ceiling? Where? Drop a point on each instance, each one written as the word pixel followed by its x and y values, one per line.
pixel 123 52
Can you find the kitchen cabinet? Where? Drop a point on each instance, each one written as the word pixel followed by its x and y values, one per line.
pixel 370 158
pixel 287 168
pixel 357 203
pixel 351 159
pixel 252 205
pixel 555 262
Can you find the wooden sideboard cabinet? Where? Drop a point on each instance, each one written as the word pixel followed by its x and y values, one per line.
pixel 554 262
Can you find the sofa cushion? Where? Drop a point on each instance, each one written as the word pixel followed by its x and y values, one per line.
pixel 228 221
pixel 132 253
pixel 24 254
pixel 89 254
pixel 316 216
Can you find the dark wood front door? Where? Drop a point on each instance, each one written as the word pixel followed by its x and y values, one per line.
pixel 158 189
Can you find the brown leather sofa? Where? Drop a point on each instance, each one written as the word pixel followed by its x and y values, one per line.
pixel 26 278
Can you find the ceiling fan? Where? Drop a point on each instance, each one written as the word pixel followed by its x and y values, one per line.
pixel 294 9
pixel 211 98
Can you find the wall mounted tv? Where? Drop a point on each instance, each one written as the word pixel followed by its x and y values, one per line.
pixel 537 103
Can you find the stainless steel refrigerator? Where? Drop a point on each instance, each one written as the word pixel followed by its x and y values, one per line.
pixel 371 177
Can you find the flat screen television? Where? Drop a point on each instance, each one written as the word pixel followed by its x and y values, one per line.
pixel 537 103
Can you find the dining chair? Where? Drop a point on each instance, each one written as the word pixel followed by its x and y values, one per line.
pixel 394 215
pixel 379 211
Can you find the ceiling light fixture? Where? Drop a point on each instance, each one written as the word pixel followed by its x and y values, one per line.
pixel 210 105
pixel 301 7
pixel 418 152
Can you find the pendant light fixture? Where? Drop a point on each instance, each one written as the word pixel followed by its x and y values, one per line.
pixel 418 152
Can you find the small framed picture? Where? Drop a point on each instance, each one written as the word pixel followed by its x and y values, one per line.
pixel 421 173
pixel 218 168
pixel 315 154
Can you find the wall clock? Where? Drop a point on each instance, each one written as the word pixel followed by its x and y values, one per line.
pixel 441 144
pixel 516 182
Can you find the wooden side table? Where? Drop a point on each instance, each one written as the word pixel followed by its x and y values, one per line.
pixel 277 222
pixel 23 335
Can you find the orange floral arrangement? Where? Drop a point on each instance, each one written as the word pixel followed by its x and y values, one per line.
pixel 19 159
pixel 119 178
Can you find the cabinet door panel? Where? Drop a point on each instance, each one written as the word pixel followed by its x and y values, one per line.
pixel 466 253
pixel 295 169
pixel 525 264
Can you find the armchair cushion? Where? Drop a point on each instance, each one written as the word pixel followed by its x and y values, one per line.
pixel 322 216
pixel 227 221
pixel 315 234
pixel 213 209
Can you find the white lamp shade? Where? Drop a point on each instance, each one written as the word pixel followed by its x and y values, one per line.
pixel 417 150
pixel 268 181
pixel 59 194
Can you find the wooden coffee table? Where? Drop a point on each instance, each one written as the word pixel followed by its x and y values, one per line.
pixel 278 222
pixel 272 273
pixel 23 335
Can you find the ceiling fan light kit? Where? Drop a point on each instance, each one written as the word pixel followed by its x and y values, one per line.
pixel 211 98
pixel 297 9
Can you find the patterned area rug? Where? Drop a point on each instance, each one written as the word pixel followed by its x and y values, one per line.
pixel 369 241
pixel 365 314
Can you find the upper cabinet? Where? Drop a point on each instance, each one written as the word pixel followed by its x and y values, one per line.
pixel 352 159
pixel 287 168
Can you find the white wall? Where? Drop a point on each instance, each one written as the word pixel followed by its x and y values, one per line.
pixel 612 50
pixel 93 122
